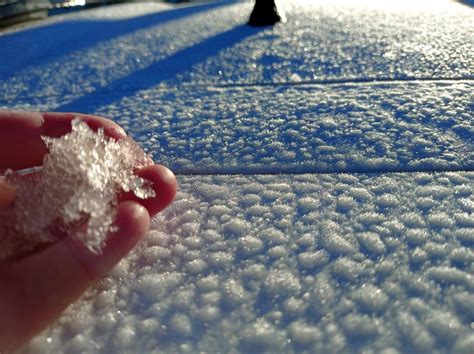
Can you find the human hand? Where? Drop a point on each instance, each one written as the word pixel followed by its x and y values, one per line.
pixel 36 288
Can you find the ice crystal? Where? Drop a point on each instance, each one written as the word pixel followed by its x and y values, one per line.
pixel 76 190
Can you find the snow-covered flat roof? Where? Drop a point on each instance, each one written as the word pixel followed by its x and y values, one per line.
pixel 325 167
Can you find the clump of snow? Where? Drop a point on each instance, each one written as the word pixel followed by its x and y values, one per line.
pixel 181 325
pixel 370 298
pixel 77 185
pixel 359 327
pixel 250 245
pixel 281 283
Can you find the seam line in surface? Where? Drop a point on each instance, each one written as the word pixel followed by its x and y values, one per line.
pixel 283 172
pixel 335 82
pixel 331 82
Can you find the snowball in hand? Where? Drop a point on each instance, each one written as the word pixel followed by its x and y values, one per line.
pixel 77 185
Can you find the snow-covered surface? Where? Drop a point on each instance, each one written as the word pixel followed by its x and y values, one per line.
pixel 291 263
pixel 290 233
pixel 305 128
pixel 323 40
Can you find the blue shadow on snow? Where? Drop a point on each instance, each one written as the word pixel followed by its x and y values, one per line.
pixel 467 2
pixel 39 45
pixel 159 71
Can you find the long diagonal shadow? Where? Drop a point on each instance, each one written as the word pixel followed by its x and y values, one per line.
pixel 467 2
pixel 159 71
pixel 74 36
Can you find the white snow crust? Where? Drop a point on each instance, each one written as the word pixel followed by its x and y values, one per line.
pixel 294 235
pixel 309 128
pixel 214 276
pixel 314 128
pixel 322 40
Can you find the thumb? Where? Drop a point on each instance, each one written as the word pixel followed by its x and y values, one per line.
pixel 7 193
pixel 36 289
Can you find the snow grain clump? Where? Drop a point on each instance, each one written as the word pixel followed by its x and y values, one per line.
pixel 77 185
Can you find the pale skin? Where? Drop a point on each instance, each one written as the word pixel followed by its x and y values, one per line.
pixel 36 288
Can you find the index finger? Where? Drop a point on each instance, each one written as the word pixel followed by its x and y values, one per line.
pixel 21 145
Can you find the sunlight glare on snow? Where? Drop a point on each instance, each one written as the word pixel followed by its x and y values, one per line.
pixel 401 5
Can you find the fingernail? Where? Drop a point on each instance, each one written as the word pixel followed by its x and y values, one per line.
pixel 7 194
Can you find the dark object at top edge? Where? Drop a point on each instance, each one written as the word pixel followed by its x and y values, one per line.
pixel 264 13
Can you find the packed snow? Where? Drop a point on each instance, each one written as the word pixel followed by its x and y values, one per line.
pixel 313 128
pixel 322 40
pixel 325 168
pixel 309 128
pixel 272 264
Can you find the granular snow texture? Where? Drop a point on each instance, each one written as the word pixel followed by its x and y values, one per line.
pixel 294 235
pixel 414 126
pixel 322 40
pixel 295 264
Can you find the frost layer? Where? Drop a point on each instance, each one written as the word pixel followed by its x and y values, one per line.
pixel 295 264
pixel 78 184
